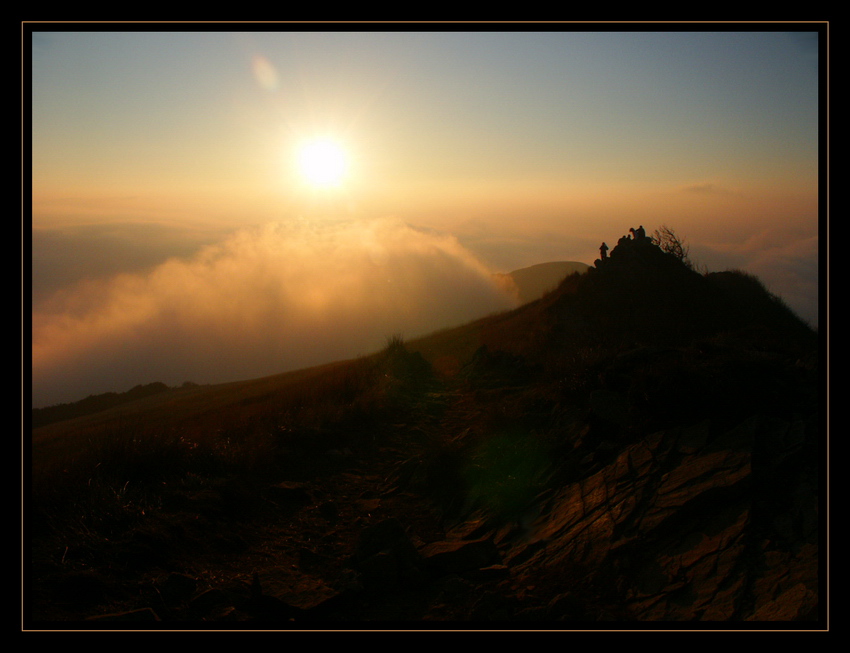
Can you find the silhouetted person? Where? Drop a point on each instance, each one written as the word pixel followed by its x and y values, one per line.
pixel 603 251
pixel 640 234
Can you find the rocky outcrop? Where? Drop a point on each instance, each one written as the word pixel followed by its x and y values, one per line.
pixel 689 524
pixel 459 556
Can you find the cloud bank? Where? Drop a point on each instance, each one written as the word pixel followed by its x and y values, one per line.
pixel 266 300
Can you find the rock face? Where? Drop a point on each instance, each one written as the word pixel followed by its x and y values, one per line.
pixel 685 525
pixel 458 556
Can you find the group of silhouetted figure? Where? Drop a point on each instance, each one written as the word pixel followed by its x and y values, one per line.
pixel 635 236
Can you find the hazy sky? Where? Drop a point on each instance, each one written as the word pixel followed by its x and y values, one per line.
pixel 174 235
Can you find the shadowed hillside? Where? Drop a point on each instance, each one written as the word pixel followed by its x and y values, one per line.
pixel 640 445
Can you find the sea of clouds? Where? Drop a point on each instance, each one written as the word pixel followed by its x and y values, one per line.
pixel 267 299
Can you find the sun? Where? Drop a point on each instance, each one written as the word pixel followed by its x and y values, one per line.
pixel 322 162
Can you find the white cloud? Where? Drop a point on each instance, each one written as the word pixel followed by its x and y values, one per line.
pixel 264 301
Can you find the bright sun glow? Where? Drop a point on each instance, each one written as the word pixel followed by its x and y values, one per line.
pixel 322 163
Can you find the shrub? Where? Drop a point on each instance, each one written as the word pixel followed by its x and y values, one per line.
pixel 672 244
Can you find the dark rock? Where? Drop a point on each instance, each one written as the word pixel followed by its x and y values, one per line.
pixel 208 601
pixel 567 607
pixel 379 571
pixel 669 519
pixel 387 535
pixel 329 510
pixel 177 587
pixel 493 572
pixel 458 556
pixel 610 406
pixel 142 614
pixel 261 606
pixel 230 542
pixel 289 492
pixel 309 559
pixel 85 587
pixel 494 607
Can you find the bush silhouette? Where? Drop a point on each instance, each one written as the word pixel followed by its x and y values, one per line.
pixel 669 242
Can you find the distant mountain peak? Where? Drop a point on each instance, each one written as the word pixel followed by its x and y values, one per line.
pixel 533 282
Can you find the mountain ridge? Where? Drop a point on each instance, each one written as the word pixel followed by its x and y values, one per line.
pixel 640 445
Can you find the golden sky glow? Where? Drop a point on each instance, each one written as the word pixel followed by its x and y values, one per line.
pixel 518 147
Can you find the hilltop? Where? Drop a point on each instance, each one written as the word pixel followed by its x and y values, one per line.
pixel 640 445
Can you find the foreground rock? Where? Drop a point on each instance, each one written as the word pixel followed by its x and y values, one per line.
pixel 692 525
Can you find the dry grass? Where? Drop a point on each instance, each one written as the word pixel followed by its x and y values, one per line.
pixel 117 469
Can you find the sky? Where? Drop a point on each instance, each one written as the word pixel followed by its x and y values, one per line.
pixel 177 235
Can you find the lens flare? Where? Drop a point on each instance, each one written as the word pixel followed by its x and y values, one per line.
pixel 264 72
